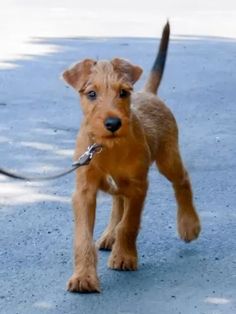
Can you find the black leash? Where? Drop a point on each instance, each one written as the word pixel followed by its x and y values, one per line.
pixel 82 161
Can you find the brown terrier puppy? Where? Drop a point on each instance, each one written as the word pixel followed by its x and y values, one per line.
pixel 135 129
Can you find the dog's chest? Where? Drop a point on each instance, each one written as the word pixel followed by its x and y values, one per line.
pixel 113 184
pixel 120 173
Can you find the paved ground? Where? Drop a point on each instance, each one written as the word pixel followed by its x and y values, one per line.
pixel 39 118
pixel 22 20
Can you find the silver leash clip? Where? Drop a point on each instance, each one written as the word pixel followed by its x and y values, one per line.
pixel 88 155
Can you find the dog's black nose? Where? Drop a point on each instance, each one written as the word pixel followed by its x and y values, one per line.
pixel 112 124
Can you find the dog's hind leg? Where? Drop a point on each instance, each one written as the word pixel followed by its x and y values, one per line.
pixel 108 237
pixel 171 166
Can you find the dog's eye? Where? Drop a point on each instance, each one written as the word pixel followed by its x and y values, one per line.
pixel 124 93
pixel 92 95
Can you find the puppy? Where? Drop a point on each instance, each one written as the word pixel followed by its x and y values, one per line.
pixel 135 130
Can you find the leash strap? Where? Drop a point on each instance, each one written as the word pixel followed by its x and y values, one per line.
pixel 83 160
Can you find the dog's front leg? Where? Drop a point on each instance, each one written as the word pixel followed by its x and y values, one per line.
pixel 108 237
pixel 124 253
pixel 85 277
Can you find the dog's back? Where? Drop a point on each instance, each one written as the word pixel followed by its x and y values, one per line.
pixel 157 120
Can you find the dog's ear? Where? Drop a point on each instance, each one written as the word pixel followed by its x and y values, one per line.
pixel 77 75
pixel 132 72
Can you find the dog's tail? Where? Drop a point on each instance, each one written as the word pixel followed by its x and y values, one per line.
pixel 155 76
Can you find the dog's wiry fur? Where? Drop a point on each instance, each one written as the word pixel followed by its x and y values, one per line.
pixel 148 133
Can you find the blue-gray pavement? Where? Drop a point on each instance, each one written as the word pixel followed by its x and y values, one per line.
pixel 39 119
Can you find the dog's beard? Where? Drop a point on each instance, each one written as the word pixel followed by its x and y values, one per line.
pixel 107 140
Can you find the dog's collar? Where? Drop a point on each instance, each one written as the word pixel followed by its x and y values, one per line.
pixel 88 155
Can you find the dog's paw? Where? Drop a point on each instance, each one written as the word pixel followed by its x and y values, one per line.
pixel 83 283
pixel 189 226
pixel 123 261
pixel 105 242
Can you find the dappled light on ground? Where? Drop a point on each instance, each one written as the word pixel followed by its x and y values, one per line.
pixel 13 193
pixel 23 23
pixel 49 147
pixel 44 305
pixel 220 301
pixel 40 146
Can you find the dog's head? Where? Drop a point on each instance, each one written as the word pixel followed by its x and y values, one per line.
pixel 105 88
